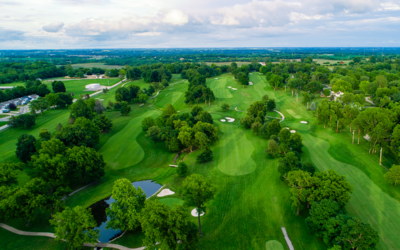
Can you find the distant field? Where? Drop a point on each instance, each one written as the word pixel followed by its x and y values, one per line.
pixel 13 84
pixel 227 63
pixel 95 65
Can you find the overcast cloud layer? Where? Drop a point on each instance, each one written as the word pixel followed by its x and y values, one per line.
pixel 58 24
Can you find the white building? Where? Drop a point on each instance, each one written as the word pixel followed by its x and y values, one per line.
pixel 93 86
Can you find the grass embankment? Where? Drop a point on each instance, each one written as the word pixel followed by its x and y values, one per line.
pixel 78 86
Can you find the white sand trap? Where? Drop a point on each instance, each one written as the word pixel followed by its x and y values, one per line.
pixel 195 214
pixel 230 119
pixel 229 87
pixel 304 122
pixel 250 73
pixel 173 166
pixel 234 89
pixel 292 131
pixel 216 78
pixel 223 120
pixel 165 192
pixel 286 128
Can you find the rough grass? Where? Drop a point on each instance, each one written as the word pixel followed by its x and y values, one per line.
pixel 171 201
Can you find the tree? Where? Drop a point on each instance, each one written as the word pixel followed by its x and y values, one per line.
pixel 342 85
pixel 393 175
pixel 147 123
pixel 44 134
pixel 284 137
pixel 99 107
pixel 320 213
pixel 273 128
pixel 265 98
pixel 125 108
pixel 296 83
pixel 255 127
pixel 24 120
pixel 64 99
pixel 9 173
pixel 58 86
pixel 86 163
pixel 80 109
pixel 288 163
pixel 196 109
pixel 205 156
pixel 273 148
pixel 103 122
pixel 25 147
pixel 247 121
pixel 358 235
pixel 83 132
pixel 167 228
pixel 53 99
pixel 154 134
pixel 39 104
pixel 312 106
pixel 301 187
pixel 381 81
pixel 52 148
pixel 42 90
pixel 181 170
pixel 323 113
pixel 143 98
pixel 225 107
pixel 306 98
pixel 196 191
pixel 204 116
pixel 124 211
pixel 331 185
pixel 75 226
pixel 271 105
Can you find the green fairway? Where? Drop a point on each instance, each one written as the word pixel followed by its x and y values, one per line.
pixel 273 245
pixel 235 154
pixel 131 153
pixel 220 88
pixel 171 201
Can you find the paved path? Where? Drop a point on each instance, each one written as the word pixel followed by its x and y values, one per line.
pixel 283 117
pixel 368 99
pixel 51 235
pixel 155 95
pixel 65 197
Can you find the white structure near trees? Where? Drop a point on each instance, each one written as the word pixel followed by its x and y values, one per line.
pixel 93 86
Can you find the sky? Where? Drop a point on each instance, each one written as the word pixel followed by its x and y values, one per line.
pixel 72 24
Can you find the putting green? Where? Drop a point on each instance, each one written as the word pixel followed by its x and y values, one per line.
pixel 292 113
pixel 122 150
pixel 368 202
pixel 273 245
pixel 220 88
pixel 235 151
pixel 172 201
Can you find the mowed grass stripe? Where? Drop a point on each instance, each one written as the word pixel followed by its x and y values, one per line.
pixel 236 150
pixel 368 202
pixel 122 150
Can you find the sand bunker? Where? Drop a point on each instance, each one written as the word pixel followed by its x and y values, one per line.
pixel 292 131
pixel 223 120
pixel 216 78
pixel 234 89
pixel 165 192
pixel 229 87
pixel 230 119
pixel 286 128
pixel 195 214
pixel 304 122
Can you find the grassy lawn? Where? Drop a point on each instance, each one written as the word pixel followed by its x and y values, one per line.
pixel 252 203
pixel 78 86
pixel 2 123
pixel 3 116
pixel 13 84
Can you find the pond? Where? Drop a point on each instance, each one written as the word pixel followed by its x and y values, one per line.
pixel 99 210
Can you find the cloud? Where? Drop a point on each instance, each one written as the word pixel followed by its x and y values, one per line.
pixel 11 35
pixel 82 2
pixel 53 27
pixel 176 17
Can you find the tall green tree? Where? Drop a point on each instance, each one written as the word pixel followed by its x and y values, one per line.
pixel 358 235
pixel 9 173
pixel 301 187
pixel 87 163
pixel 125 108
pixel 196 191
pixel 75 226
pixel 80 109
pixel 25 147
pixel 393 175
pixel 167 228
pixel 154 133
pixel 124 211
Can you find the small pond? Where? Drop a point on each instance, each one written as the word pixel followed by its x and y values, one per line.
pixel 99 210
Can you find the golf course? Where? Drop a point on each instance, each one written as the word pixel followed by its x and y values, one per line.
pixel 252 203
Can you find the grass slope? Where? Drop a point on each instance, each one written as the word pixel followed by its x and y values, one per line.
pixel 78 86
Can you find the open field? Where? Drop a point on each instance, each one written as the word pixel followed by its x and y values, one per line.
pixel 78 86
pixel 252 203
pixel 227 63
pixel 94 65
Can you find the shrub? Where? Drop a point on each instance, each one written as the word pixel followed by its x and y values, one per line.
pixel 25 120
pixel 117 106
pixel 271 105
pixel 182 169
pixel 205 156
pixel 327 92
pixel 225 106
pixel 313 107
pixel 12 106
